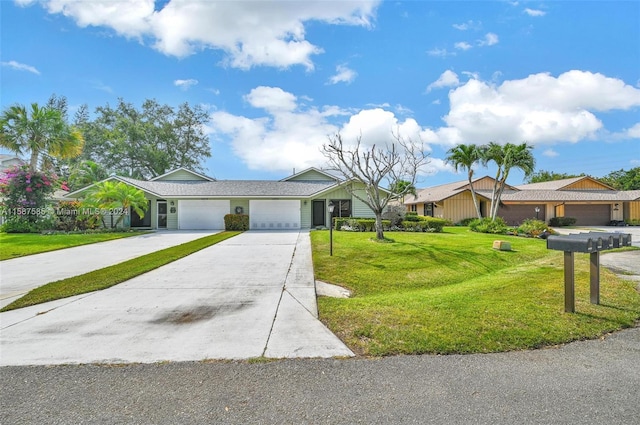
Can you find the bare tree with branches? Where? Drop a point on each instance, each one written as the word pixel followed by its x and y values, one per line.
pixel 367 169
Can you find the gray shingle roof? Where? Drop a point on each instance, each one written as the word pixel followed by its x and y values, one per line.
pixel 231 188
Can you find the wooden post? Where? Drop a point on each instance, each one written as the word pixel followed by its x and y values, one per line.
pixel 594 270
pixel 569 283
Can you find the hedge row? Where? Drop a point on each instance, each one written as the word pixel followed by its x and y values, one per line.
pixel 356 224
pixel 236 222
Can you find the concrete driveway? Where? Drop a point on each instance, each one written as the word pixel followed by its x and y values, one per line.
pixel 20 275
pixel 249 296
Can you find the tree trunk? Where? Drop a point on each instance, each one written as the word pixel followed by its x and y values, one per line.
pixel 379 230
pixel 474 196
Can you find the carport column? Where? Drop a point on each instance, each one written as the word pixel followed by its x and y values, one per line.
pixel 594 270
pixel 569 283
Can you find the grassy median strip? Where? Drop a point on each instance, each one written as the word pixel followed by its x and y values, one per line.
pixel 112 275
pixel 14 245
pixel 452 293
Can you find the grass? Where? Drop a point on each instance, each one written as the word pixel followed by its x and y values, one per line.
pixel 13 245
pixel 452 293
pixel 112 275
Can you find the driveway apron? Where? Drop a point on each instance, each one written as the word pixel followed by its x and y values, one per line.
pixel 249 296
pixel 20 275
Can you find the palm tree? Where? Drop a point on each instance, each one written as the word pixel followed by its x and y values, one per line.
pixel 109 196
pixel 39 131
pixel 402 188
pixel 506 158
pixel 85 173
pixel 465 157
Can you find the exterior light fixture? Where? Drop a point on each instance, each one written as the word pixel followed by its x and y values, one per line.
pixel 537 210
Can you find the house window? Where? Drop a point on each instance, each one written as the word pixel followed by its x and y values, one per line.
pixel 342 207
pixel 414 208
pixel 428 210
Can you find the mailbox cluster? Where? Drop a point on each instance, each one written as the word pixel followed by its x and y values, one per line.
pixel 592 243
pixel 589 242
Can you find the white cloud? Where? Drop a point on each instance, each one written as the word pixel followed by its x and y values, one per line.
pixel 489 40
pixel 343 75
pixel 440 52
pixel 539 109
pixel 447 79
pixel 534 12
pixel 469 25
pixel 21 67
pixel 550 153
pixel 250 33
pixel 290 135
pixel 462 45
pixel 634 131
pixel 99 85
pixel 185 84
pixel 271 99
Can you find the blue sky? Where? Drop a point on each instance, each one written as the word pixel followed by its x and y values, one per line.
pixel 278 77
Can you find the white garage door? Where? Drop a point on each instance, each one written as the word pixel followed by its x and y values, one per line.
pixel 274 215
pixel 202 214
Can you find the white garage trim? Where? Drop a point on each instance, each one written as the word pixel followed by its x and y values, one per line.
pixel 274 214
pixel 202 214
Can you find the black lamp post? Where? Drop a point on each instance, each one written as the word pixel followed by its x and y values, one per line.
pixel 331 207
pixel 537 210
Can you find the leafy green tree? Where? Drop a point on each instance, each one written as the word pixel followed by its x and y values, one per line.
pixel 146 142
pixel 506 157
pixel 623 180
pixel 109 196
pixel 39 131
pixel 85 173
pixel 465 157
pixel 547 176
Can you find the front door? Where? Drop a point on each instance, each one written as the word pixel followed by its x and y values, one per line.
pixel 319 213
pixel 162 214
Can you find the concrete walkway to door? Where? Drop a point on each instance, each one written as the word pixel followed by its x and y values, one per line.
pixel 20 275
pixel 249 296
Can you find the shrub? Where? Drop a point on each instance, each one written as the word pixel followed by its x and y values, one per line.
pixel 24 194
pixel 395 214
pixel 411 216
pixel 562 221
pixel 355 224
pixel 633 222
pixel 466 221
pixel 236 222
pixel 532 227
pixel 486 225
pixel 70 216
pixel 425 224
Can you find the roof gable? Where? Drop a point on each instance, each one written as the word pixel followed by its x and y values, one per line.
pixel 311 174
pixel 182 174
pixel 574 183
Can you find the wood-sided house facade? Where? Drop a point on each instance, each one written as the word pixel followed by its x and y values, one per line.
pixel 587 200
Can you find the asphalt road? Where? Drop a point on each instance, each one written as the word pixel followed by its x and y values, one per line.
pixel 587 382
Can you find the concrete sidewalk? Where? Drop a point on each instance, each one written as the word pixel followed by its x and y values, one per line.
pixel 249 296
pixel 20 275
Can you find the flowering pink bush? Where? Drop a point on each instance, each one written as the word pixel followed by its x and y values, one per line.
pixel 24 197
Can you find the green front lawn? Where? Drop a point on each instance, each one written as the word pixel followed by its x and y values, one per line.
pixel 452 293
pixel 112 275
pixel 13 245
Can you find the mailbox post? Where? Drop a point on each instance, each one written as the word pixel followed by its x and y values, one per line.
pixel 592 243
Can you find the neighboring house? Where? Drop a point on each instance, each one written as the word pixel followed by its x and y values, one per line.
pixel 183 199
pixel 8 161
pixel 587 200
